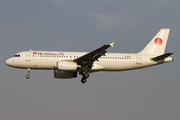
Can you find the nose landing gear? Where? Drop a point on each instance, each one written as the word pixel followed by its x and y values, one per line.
pixel 28 72
pixel 84 76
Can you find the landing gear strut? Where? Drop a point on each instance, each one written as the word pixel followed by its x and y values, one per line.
pixel 84 76
pixel 28 72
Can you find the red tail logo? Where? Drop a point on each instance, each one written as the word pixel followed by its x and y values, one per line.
pixel 158 41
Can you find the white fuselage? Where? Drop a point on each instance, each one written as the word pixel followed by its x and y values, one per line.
pixel 110 62
pixel 67 64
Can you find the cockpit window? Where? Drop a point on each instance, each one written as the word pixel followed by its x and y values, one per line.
pixel 16 55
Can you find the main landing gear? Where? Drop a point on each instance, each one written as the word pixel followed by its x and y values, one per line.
pixel 84 76
pixel 28 72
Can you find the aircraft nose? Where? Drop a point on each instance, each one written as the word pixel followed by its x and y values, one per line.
pixel 8 62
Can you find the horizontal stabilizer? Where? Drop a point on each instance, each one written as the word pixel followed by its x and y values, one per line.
pixel 161 57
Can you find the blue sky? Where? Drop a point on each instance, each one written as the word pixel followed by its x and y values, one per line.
pixel 68 25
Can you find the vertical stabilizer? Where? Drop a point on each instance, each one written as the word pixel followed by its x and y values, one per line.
pixel 158 44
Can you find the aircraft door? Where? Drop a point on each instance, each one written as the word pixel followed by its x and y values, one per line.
pixel 28 56
pixel 138 59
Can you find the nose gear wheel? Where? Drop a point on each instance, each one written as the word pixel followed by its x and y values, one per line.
pixel 27 76
pixel 28 72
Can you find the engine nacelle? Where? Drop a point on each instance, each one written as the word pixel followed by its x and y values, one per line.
pixel 64 74
pixel 66 65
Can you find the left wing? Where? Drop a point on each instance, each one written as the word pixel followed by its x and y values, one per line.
pixel 90 57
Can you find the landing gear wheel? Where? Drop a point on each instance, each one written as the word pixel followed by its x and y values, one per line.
pixel 28 72
pixel 27 76
pixel 83 80
pixel 86 75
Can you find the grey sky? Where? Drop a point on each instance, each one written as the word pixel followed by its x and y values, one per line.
pixel 82 25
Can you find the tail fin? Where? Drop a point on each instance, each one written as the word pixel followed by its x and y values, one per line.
pixel 158 44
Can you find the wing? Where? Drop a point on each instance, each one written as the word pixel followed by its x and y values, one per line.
pixel 90 57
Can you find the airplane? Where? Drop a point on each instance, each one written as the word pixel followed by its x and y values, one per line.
pixel 66 65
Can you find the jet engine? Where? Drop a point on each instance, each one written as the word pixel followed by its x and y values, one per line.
pixel 66 65
pixel 64 74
